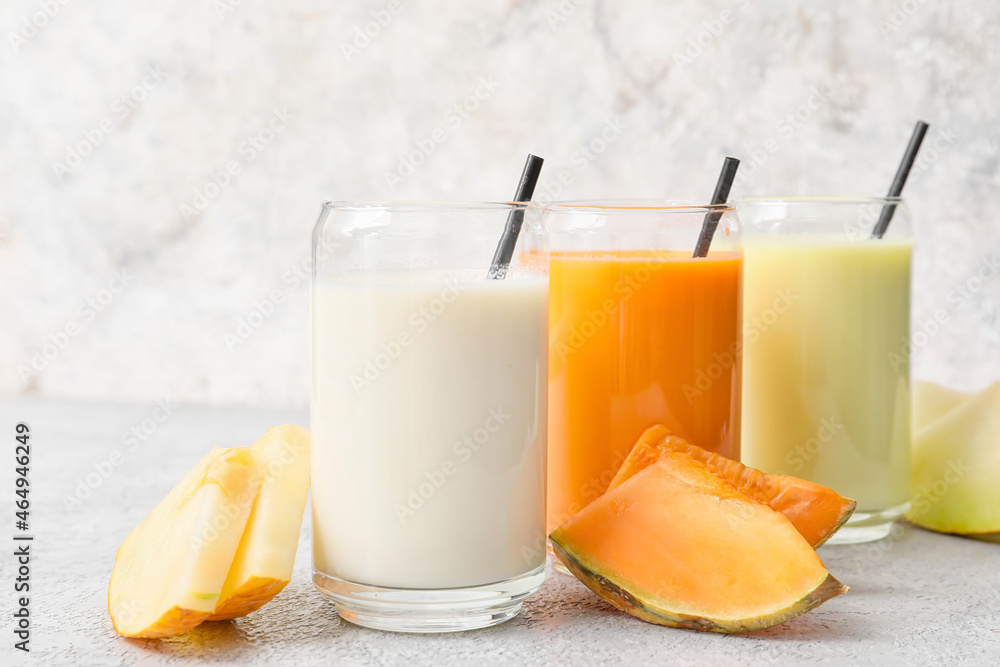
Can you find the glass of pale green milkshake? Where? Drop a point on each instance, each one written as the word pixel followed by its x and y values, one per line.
pixel 826 367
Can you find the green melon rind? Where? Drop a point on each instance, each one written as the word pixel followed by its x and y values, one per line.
pixel 620 597
pixel 958 530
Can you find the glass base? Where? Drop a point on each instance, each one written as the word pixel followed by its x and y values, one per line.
pixel 557 564
pixel 429 610
pixel 869 526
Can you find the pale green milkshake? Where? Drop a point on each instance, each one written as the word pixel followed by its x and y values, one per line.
pixel 826 360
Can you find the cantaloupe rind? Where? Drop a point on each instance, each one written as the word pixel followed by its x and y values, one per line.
pixel 620 598
pixel 678 544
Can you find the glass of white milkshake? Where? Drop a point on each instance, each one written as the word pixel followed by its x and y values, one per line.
pixel 428 413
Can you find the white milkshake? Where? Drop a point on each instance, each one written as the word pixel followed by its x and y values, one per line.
pixel 428 429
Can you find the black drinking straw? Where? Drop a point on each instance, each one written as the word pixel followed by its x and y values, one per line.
pixel 720 196
pixel 899 181
pixel 525 189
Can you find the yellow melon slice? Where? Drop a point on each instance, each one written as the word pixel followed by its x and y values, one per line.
pixel 932 401
pixel 955 474
pixel 264 559
pixel 170 570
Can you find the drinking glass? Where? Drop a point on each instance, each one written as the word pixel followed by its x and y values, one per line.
pixel 428 413
pixel 826 367
pixel 640 333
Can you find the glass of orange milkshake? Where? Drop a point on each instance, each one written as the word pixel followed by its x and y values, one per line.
pixel 640 333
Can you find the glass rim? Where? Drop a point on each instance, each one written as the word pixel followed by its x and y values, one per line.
pixel 634 206
pixel 421 205
pixel 836 200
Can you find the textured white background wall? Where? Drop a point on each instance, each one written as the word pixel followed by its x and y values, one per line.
pixel 162 163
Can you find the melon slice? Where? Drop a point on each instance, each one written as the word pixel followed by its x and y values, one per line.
pixel 264 560
pixel 170 570
pixel 678 544
pixel 955 477
pixel 816 511
pixel 932 401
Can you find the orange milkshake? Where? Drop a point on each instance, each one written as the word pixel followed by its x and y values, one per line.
pixel 637 338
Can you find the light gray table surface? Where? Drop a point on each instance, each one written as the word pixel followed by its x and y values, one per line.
pixel 917 598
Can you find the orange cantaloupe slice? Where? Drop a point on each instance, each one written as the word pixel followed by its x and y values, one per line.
pixel 816 511
pixel 678 544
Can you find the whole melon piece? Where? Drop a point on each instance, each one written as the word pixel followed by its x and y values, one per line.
pixel 678 544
